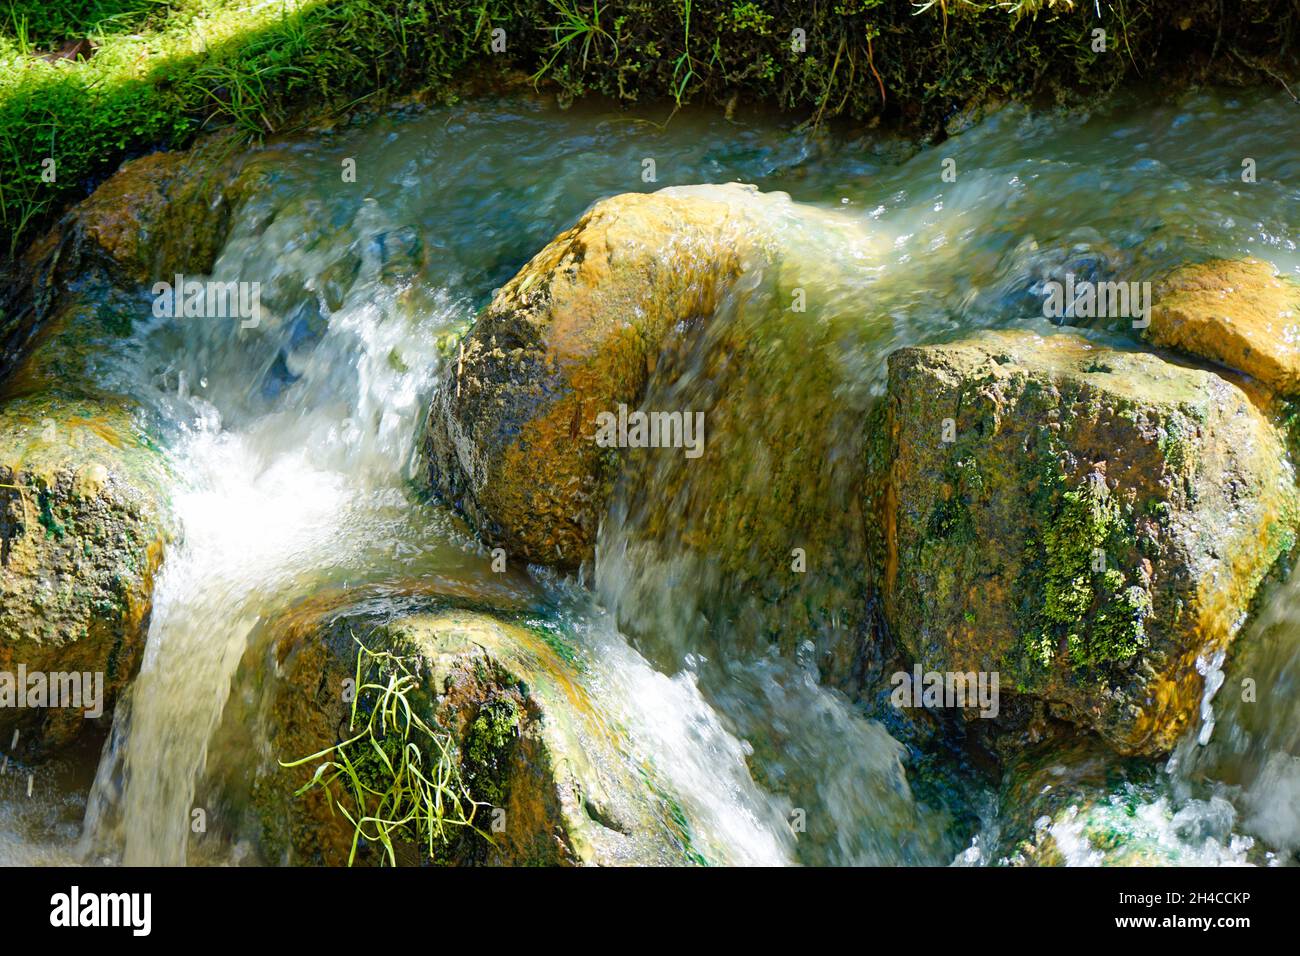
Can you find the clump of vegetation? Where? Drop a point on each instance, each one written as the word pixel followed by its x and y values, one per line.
pixel 488 746
pixel 87 83
pixel 951 516
pixel 396 779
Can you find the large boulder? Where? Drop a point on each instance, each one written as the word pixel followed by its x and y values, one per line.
pixel 83 484
pixel 1087 522
pixel 1236 312
pixel 741 313
pixel 505 698
pixel 511 437
pixel 83 522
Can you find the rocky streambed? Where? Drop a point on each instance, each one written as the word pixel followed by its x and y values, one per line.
pixel 540 513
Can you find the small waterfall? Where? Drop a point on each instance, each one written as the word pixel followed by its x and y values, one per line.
pixel 294 443
pixel 1251 760
pixel 763 556
pixel 284 489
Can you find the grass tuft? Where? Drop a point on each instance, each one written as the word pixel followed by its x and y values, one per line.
pixel 400 777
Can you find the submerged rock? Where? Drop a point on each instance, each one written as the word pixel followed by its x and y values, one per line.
pixel 523 742
pixel 1084 521
pixel 511 437
pixel 82 526
pixel 1236 312
pixel 1074 804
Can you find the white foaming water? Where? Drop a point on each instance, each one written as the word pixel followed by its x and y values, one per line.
pixel 261 527
pixel 1150 833
pixel 672 729
pixel 1252 757
pixel 252 525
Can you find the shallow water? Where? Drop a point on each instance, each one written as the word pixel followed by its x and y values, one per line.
pixel 294 446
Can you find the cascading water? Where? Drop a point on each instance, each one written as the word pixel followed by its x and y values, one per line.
pixel 292 443
pixel 285 489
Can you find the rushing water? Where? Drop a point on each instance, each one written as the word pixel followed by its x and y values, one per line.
pixel 293 442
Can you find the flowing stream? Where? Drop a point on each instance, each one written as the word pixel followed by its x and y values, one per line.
pixel 293 446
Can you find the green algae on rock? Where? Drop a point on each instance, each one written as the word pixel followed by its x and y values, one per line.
pixel 551 788
pixel 83 523
pixel 1075 803
pixel 1088 522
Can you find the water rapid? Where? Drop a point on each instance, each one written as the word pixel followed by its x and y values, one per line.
pixel 293 446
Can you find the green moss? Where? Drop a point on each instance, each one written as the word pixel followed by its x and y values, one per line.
pixel 1176 445
pixel 53 527
pixel 1289 418
pixel 951 516
pixel 950 538
pixel 114 321
pixel 1078 598
pixel 1117 632
pixel 489 746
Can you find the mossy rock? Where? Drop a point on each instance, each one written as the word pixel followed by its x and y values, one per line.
pixel 1098 520
pixel 582 329
pixel 552 786
pixel 160 214
pixel 738 307
pixel 83 524
pixel 1238 313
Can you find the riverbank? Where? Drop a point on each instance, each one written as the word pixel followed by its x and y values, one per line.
pixel 85 85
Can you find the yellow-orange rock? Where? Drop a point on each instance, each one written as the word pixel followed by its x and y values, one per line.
pixel 83 526
pixel 1236 312
pixel 578 331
